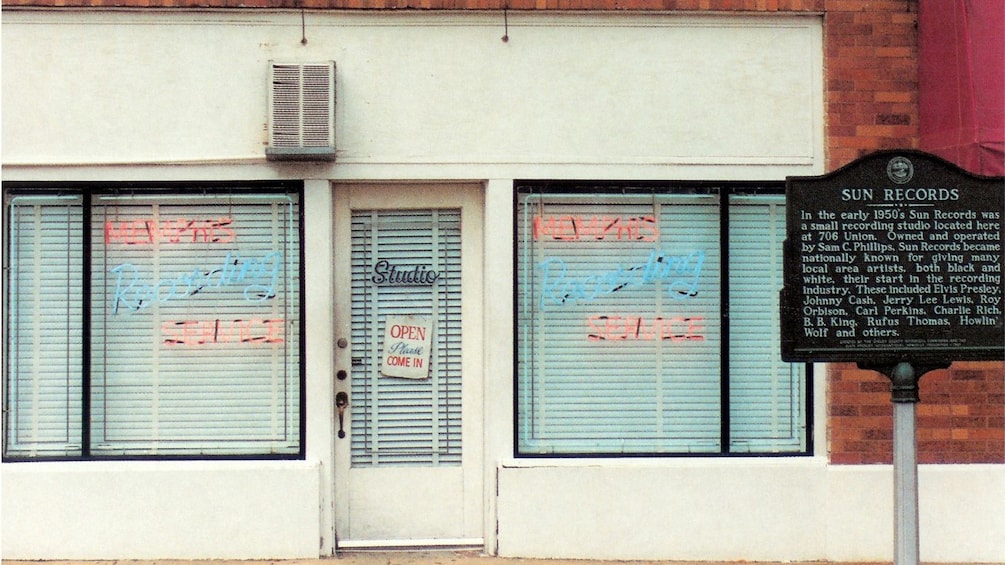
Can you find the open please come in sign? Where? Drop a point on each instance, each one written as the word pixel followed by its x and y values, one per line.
pixel 406 347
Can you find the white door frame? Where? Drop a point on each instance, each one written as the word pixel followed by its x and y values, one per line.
pixel 469 198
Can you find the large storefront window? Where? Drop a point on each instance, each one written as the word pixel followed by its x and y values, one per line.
pixel 153 322
pixel 648 322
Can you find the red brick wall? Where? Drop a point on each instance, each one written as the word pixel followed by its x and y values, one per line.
pixel 871 58
pixel 960 419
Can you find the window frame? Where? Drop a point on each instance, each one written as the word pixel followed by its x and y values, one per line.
pixel 725 190
pixel 152 190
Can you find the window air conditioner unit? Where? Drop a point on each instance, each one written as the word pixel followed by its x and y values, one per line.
pixel 301 112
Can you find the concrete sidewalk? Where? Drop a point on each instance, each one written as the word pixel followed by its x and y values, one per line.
pixel 416 558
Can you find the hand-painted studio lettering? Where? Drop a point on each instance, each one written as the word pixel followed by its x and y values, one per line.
pixel 386 273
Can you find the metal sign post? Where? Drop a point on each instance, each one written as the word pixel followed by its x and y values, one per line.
pixel 906 546
pixel 905 465
pixel 904 379
pixel 894 262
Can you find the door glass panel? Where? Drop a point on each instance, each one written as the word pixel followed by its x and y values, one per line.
pixel 406 283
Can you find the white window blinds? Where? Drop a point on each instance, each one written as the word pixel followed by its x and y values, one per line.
pixel 767 395
pixel 406 263
pixel 191 326
pixel 620 344
pixel 196 325
pixel 44 307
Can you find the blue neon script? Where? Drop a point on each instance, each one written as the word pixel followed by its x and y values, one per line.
pixel 258 275
pixel 680 273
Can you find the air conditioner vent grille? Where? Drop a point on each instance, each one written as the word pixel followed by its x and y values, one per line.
pixel 302 111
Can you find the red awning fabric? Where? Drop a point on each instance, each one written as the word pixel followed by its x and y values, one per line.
pixel 962 82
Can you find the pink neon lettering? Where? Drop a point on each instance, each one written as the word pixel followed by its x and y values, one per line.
pixel 596 228
pixel 658 328
pixel 207 332
pixel 173 231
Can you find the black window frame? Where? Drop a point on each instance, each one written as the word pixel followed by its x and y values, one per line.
pixel 84 189
pixel 725 189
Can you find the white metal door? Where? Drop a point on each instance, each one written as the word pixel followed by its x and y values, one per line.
pixel 408 324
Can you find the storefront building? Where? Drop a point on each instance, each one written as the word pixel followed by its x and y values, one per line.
pixel 283 281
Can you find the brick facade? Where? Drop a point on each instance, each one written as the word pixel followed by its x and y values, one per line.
pixel 871 94
pixel 871 61
pixel 960 419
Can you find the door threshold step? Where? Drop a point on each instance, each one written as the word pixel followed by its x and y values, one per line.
pixel 445 544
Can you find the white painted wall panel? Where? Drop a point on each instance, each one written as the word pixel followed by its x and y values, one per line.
pixel 148 510
pixel 676 510
pixel 155 87
pixel 744 510
pixel 960 517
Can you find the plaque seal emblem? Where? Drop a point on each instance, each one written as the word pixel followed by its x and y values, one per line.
pixel 900 170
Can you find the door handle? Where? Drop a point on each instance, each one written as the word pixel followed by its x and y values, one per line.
pixel 341 403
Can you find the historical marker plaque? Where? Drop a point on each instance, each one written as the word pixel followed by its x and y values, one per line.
pixel 898 255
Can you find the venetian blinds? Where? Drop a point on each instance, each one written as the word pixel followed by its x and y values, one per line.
pixel 619 327
pixel 196 325
pixel 767 395
pixel 44 305
pixel 406 265
pixel 621 345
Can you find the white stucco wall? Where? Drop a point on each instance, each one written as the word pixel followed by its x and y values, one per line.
pixel 601 96
pixel 181 96
pixel 149 510
pixel 682 510
pixel 960 517
pixel 767 510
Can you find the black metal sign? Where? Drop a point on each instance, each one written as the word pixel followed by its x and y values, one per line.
pixel 898 255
